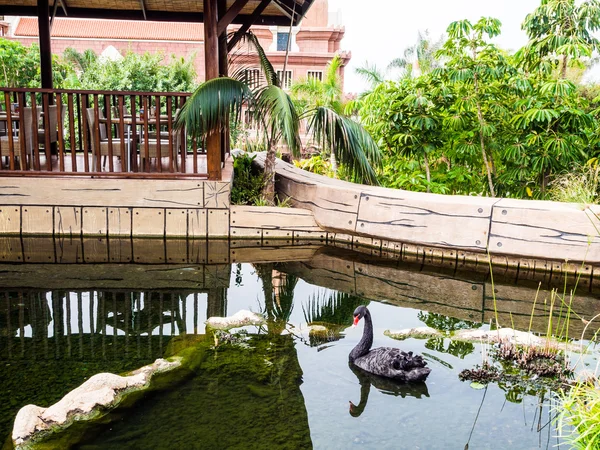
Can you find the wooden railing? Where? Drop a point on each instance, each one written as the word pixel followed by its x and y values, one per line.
pixel 81 132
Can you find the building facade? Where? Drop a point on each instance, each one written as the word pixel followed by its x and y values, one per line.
pixel 312 44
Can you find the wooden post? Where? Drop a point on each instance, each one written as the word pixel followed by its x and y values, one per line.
pixel 45 47
pixel 211 64
pixel 224 72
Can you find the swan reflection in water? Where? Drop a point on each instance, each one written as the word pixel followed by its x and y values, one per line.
pixel 385 385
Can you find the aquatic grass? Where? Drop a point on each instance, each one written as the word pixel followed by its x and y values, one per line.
pixel 579 415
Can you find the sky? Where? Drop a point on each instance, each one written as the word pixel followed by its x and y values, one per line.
pixel 379 30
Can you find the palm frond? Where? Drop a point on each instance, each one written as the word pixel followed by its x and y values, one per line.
pixel 352 144
pixel 331 74
pixel 267 68
pixel 275 109
pixel 212 106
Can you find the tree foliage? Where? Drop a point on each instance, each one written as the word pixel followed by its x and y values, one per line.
pixel 20 66
pixel 487 122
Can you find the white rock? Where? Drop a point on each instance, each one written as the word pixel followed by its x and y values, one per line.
pixel 100 391
pixel 418 333
pixel 240 319
pixel 513 336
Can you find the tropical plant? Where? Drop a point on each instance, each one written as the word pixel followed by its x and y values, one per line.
pixel 420 58
pixel 248 183
pixel 146 72
pixel 20 66
pixel 560 32
pixel 219 101
pixel 320 103
pixel 475 66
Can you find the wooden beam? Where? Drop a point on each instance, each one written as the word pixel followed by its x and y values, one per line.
pixel 247 24
pixel 134 14
pixel 226 18
pixel 211 66
pixel 45 47
pixel 142 4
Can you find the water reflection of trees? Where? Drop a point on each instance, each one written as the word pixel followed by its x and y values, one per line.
pixel 332 310
pixel 447 325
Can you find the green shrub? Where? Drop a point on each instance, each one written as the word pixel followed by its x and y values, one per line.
pixel 248 183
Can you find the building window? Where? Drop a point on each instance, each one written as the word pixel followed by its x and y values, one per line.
pixel 286 81
pixel 253 78
pixel 316 74
pixel 282 41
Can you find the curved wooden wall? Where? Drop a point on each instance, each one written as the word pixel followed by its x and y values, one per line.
pixel 519 228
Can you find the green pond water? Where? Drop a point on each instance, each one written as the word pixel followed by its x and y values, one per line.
pixel 282 386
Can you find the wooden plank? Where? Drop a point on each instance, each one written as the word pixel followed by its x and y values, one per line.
pixel 94 221
pixel 148 251
pixel 148 222
pixel 249 233
pixel 544 230
pixel 10 220
pixel 426 219
pixel 95 250
pixel 248 221
pixel 120 250
pixel 176 223
pixel 159 193
pixel 176 250
pixel 197 223
pixel 119 221
pixel 11 249
pixel 67 221
pixel 247 242
pixel 333 207
pixel 69 249
pixel 218 223
pixel 38 250
pixel 37 220
pixel 197 251
pixel 273 254
pixel 218 251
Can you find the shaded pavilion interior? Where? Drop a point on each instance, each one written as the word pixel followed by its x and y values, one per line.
pixel 216 15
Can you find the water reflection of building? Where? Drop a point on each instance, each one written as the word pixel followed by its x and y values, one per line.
pixel 101 324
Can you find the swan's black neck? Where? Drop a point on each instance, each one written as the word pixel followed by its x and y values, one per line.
pixel 364 345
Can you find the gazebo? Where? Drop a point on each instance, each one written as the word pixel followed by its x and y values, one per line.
pixel 110 163
pixel 216 15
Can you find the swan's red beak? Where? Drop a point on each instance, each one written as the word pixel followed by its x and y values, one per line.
pixel 356 319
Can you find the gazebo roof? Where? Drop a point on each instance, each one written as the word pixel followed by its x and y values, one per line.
pixel 275 12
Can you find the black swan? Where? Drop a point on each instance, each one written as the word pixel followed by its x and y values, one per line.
pixel 385 385
pixel 386 362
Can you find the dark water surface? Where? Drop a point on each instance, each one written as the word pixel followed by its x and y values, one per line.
pixel 280 386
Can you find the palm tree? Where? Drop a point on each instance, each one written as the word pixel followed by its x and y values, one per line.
pixel 321 103
pixel 419 58
pixel 218 102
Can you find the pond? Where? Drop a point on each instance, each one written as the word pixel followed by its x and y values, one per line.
pixel 283 385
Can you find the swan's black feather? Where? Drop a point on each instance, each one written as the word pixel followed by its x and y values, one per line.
pixel 387 362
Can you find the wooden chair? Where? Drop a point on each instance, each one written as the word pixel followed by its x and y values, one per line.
pixel 100 146
pixel 164 145
pixel 53 123
pixel 25 132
